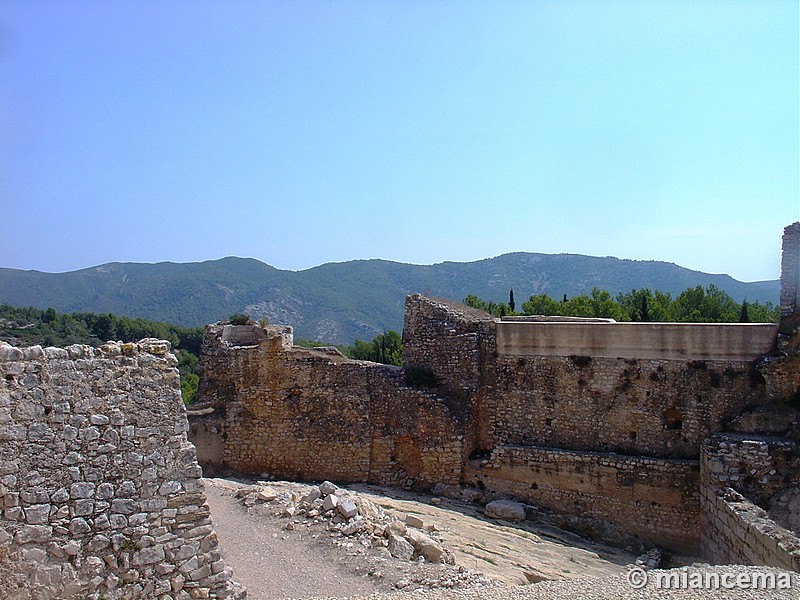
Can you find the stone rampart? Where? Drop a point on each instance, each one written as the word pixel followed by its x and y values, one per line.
pixel 100 488
pixel 449 339
pixel 312 415
pixel 740 532
pixel 660 408
pixel 584 416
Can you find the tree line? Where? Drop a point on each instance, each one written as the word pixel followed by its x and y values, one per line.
pixel 694 305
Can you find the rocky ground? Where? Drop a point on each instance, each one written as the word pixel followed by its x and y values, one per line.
pixel 290 540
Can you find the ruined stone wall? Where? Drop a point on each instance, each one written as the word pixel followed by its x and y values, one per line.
pixel 662 408
pixel 790 271
pixel 740 532
pixel 548 410
pixel 448 339
pixel 584 386
pixel 741 478
pixel 655 498
pixel 100 489
pixel 312 415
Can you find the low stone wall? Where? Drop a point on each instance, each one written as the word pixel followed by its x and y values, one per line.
pixel 740 476
pixel 100 488
pixel 736 531
pixel 655 498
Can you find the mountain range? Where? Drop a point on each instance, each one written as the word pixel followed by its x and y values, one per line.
pixel 339 302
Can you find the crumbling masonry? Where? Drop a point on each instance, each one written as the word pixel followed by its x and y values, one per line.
pixel 617 421
pixel 100 489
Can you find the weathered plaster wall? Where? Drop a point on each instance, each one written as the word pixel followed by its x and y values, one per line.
pixel 736 342
pixel 100 489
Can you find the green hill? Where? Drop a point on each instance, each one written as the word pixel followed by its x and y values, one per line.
pixel 339 302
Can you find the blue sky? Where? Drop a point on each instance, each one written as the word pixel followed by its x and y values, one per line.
pixel 300 133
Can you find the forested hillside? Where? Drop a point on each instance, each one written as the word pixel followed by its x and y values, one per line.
pixel 339 302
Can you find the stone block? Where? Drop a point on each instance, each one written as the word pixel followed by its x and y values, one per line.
pixel 399 547
pixel 38 514
pixel 331 501
pixel 326 487
pixel 347 508
pixel 505 509
pixel 414 521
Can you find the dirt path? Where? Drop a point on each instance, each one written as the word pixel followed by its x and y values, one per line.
pixel 273 564
pixel 276 556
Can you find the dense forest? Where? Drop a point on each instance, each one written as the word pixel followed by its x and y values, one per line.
pixel 694 305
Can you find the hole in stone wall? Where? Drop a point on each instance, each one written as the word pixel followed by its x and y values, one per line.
pixel 715 379
pixel 632 435
pixel 581 361
pixel 756 379
pixel 673 419
pixel 548 422
pixel 479 454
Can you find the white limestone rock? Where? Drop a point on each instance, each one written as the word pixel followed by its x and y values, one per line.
pixel 505 509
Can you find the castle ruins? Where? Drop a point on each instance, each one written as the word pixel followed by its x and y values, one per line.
pixel 685 435
pixel 680 433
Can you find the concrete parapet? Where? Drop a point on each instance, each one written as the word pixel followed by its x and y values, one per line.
pixel 654 341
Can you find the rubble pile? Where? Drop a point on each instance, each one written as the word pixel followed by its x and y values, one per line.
pixel 356 522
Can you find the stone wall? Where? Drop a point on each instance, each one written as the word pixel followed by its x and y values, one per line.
pixel 550 408
pixel 660 408
pixel 312 414
pixel 655 498
pixel 740 532
pixel 741 477
pixel 583 416
pixel 790 271
pixel 448 339
pixel 100 489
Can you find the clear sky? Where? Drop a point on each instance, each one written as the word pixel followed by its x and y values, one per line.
pixel 300 133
